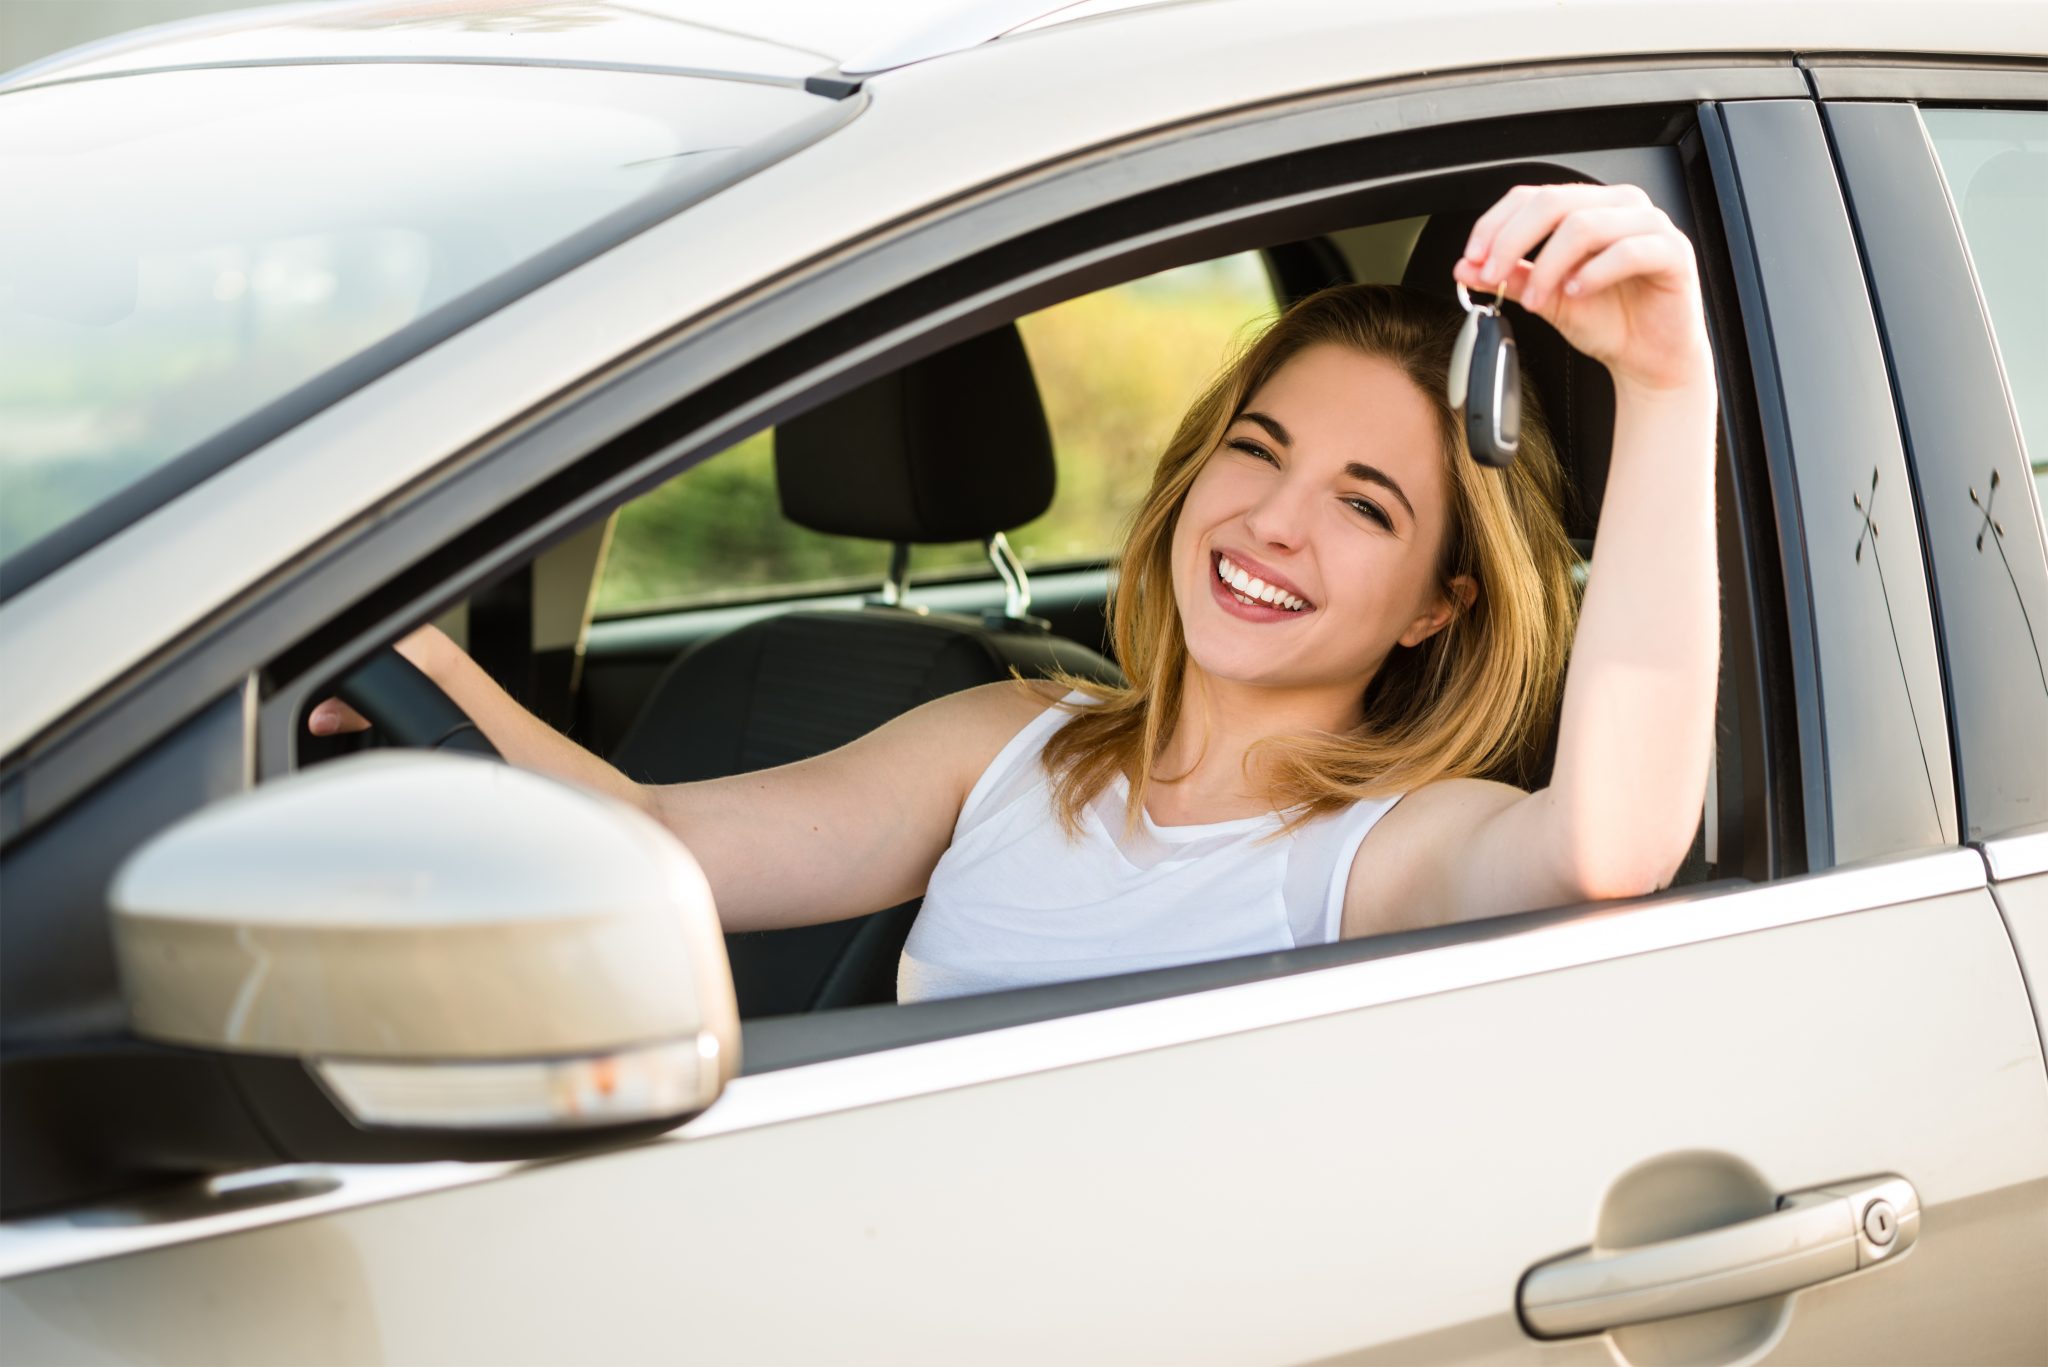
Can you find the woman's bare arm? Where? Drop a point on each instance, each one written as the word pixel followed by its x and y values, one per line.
pixel 1635 733
pixel 842 834
pixel 851 831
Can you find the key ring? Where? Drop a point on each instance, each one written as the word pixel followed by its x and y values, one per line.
pixel 1491 310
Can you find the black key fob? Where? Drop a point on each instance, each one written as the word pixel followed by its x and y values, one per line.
pixel 1493 392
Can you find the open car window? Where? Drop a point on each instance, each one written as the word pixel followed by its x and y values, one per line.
pixel 709 555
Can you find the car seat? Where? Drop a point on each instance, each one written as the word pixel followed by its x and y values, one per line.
pixel 953 447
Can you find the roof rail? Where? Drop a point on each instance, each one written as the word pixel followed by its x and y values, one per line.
pixel 969 26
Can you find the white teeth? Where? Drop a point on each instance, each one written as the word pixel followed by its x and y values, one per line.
pixel 1251 589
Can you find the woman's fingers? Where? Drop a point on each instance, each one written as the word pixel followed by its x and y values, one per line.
pixel 1583 235
pixel 1480 243
pixel 1644 254
pixel 1469 274
pixel 1594 238
pixel 1528 214
pixel 333 717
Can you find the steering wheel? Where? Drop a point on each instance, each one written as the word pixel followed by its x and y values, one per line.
pixel 410 709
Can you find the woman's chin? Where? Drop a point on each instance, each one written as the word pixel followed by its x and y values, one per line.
pixel 1239 662
pixel 1226 656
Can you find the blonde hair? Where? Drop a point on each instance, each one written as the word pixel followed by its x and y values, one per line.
pixel 1473 699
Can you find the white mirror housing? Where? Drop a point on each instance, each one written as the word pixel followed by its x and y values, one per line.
pixel 449 943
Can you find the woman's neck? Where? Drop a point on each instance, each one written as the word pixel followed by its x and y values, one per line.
pixel 1202 774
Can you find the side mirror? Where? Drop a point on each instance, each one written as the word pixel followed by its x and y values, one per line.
pixel 405 956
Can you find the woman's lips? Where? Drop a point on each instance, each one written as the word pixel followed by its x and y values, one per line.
pixel 1228 600
pixel 1264 573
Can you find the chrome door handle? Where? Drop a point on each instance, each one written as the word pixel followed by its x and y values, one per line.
pixel 1814 1236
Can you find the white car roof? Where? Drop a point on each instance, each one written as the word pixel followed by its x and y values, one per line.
pixel 787 40
pixel 1059 87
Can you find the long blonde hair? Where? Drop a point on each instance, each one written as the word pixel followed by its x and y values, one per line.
pixel 1473 699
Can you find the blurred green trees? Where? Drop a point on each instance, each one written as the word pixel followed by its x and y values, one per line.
pixel 1116 370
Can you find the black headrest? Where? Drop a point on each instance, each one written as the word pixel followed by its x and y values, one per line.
pixel 950 448
pixel 1576 393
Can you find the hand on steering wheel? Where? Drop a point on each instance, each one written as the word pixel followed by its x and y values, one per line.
pixel 393 694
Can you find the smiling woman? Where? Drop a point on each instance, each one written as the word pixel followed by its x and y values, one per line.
pixel 1328 465
pixel 1304 637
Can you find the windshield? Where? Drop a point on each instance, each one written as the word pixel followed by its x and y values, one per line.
pixel 181 249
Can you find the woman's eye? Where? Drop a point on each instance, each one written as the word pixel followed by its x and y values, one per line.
pixel 1252 448
pixel 1373 511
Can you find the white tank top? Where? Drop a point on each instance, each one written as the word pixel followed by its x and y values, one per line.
pixel 1014 903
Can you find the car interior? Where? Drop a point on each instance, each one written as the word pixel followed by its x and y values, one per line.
pixel 952 447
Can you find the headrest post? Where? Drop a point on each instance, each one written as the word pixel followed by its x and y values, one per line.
pixel 1016 588
pixel 898 582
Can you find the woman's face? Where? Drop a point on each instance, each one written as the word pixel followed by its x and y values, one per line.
pixel 1325 508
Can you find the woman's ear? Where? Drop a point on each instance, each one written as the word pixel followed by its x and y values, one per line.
pixel 1459 595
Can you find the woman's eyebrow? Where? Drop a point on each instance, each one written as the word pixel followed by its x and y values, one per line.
pixel 1372 474
pixel 1272 425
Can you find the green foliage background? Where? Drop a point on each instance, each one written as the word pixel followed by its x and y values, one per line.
pixel 1116 369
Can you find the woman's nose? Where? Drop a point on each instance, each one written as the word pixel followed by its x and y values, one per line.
pixel 1280 518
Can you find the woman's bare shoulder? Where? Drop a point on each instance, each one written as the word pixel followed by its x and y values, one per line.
pixel 996 711
pixel 957 735
pixel 986 716
pixel 1448 804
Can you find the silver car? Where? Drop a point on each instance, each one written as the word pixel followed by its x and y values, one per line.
pixel 568 325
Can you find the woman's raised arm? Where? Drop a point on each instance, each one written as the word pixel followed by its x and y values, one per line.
pixel 1620 283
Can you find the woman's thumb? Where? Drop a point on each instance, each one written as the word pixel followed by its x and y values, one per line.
pixel 332 717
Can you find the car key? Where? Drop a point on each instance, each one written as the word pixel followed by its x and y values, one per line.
pixel 1486 381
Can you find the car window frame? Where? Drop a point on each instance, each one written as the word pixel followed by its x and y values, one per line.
pixel 1117 266
pixel 1129 256
pixel 1111 268
pixel 1932 77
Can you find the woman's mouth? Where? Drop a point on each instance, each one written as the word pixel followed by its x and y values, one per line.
pixel 1250 597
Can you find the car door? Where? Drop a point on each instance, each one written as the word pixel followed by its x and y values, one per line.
pixel 1380 1151
pixel 1948 169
